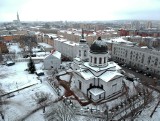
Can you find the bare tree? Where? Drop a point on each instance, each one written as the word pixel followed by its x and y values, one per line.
pixel 42 99
pixel 61 112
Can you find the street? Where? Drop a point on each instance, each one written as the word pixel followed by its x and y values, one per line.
pixel 143 78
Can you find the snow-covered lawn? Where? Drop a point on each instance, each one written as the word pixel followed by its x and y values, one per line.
pixel 14 47
pixel 13 78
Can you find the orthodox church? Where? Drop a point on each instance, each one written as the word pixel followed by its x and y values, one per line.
pixel 95 76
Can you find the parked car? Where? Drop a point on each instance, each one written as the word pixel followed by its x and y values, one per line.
pixel 25 56
pixel 10 63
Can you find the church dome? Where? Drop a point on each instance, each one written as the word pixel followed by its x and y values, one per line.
pixel 99 46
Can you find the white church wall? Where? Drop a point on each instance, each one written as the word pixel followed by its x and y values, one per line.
pixel 51 62
pixel 112 86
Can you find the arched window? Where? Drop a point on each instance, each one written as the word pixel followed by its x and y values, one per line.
pixel 104 59
pixel 79 52
pixel 85 53
pixel 95 60
pixel 100 60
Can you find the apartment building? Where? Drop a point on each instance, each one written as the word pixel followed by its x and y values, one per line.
pixel 66 48
pixel 75 35
pixel 144 59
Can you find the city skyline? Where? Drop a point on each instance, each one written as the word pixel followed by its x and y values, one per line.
pixel 76 10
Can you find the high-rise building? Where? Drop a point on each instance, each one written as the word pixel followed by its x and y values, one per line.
pixel 136 25
pixel 149 25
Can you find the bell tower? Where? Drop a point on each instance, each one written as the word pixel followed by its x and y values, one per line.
pixel 83 48
pixel 18 17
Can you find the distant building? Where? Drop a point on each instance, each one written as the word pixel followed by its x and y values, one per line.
pixel 3 47
pixel 143 33
pixel 136 25
pixel 52 61
pixel 17 22
pixel 149 25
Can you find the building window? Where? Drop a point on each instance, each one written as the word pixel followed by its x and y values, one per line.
pixel 91 59
pixel 156 62
pixel 114 86
pixel 104 59
pixel 101 86
pixel 85 53
pixel 80 85
pixel 99 96
pixel 126 54
pixel 79 53
pixel 131 55
pixel 90 86
pixel 149 59
pixel 114 50
pixel 95 60
pixel 100 60
pixel 136 56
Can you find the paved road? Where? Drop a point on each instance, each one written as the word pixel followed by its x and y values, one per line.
pixel 143 78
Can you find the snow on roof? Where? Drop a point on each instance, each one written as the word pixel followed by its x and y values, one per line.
pixel 55 54
pixel 45 45
pixel 119 40
pixel 61 40
pixel 111 66
pixel 96 91
pixel 71 43
pixel 109 75
pixel 52 35
pixel 39 71
pixel 37 58
pixel 42 53
pixel 9 62
pixel 144 47
pixel 86 74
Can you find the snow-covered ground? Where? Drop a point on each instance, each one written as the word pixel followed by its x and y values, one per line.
pixel 14 47
pixel 13 78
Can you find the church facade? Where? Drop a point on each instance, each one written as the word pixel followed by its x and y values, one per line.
pixel 95 77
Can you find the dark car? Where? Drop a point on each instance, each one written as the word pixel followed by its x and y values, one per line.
pixel 33 55
pixel 25 56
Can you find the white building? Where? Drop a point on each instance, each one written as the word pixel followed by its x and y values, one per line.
pixel 52 61
pixel 66 48
pixel 46 47
pixel 140 58
pixel 94 76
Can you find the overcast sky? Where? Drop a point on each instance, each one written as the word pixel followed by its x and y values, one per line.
pixel 79 10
